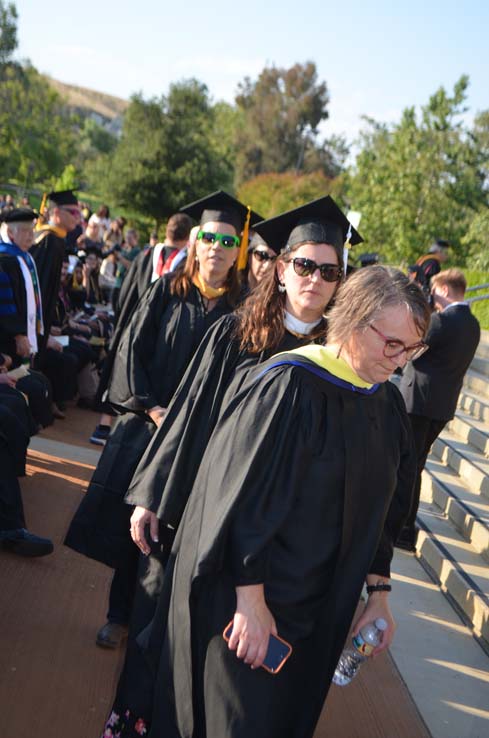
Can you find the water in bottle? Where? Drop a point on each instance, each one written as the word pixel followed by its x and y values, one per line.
pixel 362 646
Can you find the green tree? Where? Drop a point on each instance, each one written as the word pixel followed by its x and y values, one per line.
pixel 8 31
pixel 280 115
pixel 420 179
pixel 36 135
pixel 271 194
pixel 166 155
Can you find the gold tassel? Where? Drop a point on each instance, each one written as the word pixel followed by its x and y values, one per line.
pixel 243 249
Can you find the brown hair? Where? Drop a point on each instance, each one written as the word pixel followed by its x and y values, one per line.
pixel 183 280
pixel 454 279
pixel 260 319
pixel 369 291
pixel 178 227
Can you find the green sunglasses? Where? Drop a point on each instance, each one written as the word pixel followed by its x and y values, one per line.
pixel 226 241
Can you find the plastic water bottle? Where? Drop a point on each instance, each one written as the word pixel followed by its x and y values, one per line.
pixel 363 644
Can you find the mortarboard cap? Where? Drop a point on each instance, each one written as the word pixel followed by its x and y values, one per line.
pixel 319 221
pixel 257 240
pixel 18 215
pixel 63 197
pixel 223 208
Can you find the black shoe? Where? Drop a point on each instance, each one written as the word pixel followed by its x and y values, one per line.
pixel 23 543
pixel 111 635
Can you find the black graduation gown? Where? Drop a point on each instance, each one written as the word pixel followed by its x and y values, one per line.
pixel 153 355
pixel 48 252
pixel 135 284
pixel 13 315
pixel 14 438
pixel 304 487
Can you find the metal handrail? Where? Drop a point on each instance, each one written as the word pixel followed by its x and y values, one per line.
pixel 476 299
pixel 478 287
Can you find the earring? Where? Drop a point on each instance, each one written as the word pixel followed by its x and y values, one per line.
pixel 281 287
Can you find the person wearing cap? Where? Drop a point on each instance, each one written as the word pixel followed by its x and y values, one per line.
pixel 279 315
pixel 297 502
pixel 260 259
pixel 430 264
pixel 49 248
pixel 152 357
pixel 21 324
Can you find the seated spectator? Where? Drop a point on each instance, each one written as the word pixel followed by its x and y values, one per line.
pixel 101 220
pixel 130 249
pixel 91 269
pixel 14 439
pixel 74 284
pixel 114 236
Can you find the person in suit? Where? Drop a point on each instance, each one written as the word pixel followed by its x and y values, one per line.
pixel 431 384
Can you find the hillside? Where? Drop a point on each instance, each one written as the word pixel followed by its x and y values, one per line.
pixel 90 101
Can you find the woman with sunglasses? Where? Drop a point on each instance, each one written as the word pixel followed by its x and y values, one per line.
pixel 285 311
pixel 299 497
pixel 260 260
pixel 153 355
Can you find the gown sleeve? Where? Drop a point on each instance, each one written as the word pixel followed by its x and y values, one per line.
pixel 130 386
pixel 164 477
pixel 401 500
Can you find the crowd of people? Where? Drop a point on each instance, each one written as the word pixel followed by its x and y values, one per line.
pixel 258 467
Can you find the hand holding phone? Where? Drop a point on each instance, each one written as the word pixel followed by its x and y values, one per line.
pixel 278 650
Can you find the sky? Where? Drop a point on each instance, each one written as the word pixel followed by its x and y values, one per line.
pixel 376 57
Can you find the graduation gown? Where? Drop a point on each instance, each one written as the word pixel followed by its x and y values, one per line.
pixel 48 251
pixel 153 355
pixel 13 304
pixel 14 438
pixel 304 487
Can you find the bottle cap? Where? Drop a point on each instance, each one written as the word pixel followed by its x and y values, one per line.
pixel 381 624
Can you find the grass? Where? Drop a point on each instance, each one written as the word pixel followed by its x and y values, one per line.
pixel 481 308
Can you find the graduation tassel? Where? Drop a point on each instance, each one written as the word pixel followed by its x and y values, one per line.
pixel 243 249
pixel 346 248
pixel 39 223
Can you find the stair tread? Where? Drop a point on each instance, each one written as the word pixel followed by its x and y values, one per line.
pixel 478 506
pixel 483 399
pixel 479 425
pixel 462 553
pixel 466 450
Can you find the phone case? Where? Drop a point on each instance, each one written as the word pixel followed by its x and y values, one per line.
pixel 277 654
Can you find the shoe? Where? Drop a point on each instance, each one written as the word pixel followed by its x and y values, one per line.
pixel 111 635
pixel 100 435
pixel 57 412
pixel 23 543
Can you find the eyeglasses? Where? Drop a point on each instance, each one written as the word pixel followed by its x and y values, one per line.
pixel 224 239
pixel 393 347
pixel 306 267
pixel 263 255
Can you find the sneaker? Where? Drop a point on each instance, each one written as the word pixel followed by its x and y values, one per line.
pixel 23 543
pixel 100 435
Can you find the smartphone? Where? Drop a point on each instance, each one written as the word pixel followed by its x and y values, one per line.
pixel 277 653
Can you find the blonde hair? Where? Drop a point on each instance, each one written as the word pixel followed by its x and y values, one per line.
pixel 454 279
pixel 368 292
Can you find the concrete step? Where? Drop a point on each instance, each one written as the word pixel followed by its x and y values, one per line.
pixel 467 511
pixel 472 431
pixel 480 363
pixel 461 573
pixel 476 382
pixel 483 349
pixel 469 463
pixel 475 405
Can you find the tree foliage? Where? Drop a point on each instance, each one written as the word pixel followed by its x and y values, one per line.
pixel 280 115
pixel 421 179
pixel 271 194
pixel 167 154
pixel 36 134
pixel 8 31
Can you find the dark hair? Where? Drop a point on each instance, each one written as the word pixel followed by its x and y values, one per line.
pixel 103 211
pixel 260 319
pixel 183 280
pixel 178 227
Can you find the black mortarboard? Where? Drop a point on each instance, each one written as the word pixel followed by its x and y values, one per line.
pixel 63 197
pixel 319 221
pixel 257 240
pixel 222 208
pixel 18 215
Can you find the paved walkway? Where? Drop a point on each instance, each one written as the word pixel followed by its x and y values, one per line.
pixel 55 682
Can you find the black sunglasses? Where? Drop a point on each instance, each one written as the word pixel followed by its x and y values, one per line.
pixel 306 267
pixel 263 255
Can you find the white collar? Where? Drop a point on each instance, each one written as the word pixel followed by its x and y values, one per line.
pixel 298 326
pixel 455 304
